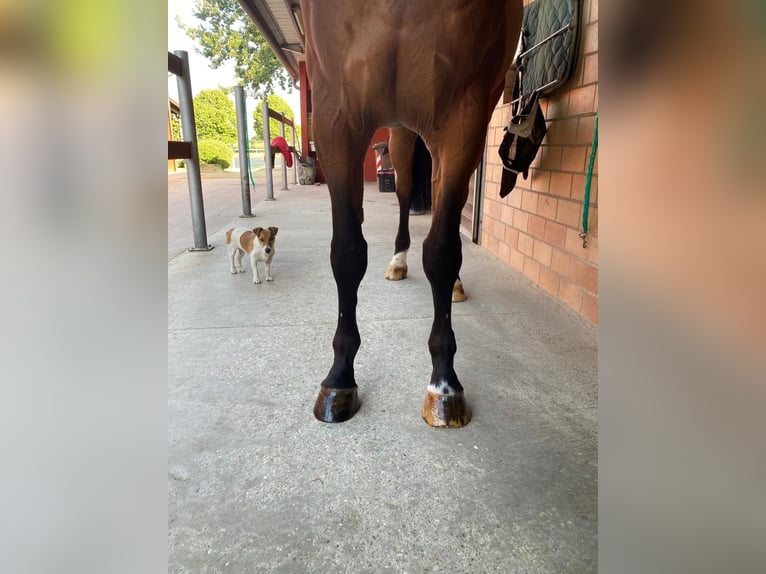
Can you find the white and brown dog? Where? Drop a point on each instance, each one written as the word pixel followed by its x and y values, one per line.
pixel 258 243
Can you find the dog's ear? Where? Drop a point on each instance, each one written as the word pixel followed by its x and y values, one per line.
pixel 257 231
pixel 273 230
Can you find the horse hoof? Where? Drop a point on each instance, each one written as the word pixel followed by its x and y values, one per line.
pixel 458 294
pixel 396 273
pixel 336 405
pixel 446 410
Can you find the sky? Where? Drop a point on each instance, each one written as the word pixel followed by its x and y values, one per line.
pixel 203 76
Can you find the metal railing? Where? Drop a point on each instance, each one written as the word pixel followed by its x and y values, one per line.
pixel 178 64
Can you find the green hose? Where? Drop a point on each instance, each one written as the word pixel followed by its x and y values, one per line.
pixel 247 144
pixel 588 179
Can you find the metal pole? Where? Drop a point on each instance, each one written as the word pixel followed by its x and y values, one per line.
pixel 295 159
pixel 244 180
pixel 192 164
pixel 284 162
pixel 267 150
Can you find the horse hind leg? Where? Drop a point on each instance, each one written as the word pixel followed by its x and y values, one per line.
pixel 401 147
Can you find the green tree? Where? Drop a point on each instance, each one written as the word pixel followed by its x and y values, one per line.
pixel 175 127
pixel 225 33
pixel 216 116
pixel 277 104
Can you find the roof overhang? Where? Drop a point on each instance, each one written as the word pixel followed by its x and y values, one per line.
pixel 281 23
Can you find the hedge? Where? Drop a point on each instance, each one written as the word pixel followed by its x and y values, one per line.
pixel 214 151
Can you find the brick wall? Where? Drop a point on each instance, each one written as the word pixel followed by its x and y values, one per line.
pixel 536 228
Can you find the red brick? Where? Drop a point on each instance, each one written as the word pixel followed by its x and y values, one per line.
pixel 540 180
pixel 575 79
pixel 582 100
pixel 526 244
pixel 546 206
pixel 590 39
pixel 557 106
pixel 590 69
pixel 514 200
pixel 562 263
pixel 570 294
pixel 593 219
pixel 593 189
pixel 504 252
pixel 549 281
pixel 555 234
pixel 585 131
pixel 593 14
pixel 586 276
pixel 529 201
pixel 493 208
pixel 550 158
pixel 500 228
pixel 568 213
pixel 543 253
pixel 496 173
pixel 562 132
pixel 531 269
pixel 536 226
pixel 573 159
pixel 592 249
pixel 520 220
pixel 491 243
pixel 512 237
pixel 561 184
pixel 517 260
pixel 589 308
pixel 573 242
pixel 497 117
pixel 506 214
pixel 578 186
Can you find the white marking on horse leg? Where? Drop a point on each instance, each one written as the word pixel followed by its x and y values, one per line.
pixel 397 268
pixel 441 387
pixel 399 259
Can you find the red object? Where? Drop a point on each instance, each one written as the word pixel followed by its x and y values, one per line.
pixel 281 145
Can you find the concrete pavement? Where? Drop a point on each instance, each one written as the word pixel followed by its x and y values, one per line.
pixel 256 484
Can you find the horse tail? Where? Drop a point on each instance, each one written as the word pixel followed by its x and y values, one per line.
pixel 421 178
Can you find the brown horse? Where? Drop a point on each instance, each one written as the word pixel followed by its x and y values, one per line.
pixel 435 68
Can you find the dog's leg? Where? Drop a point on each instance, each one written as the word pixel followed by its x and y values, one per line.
pixel 268 270
pixel 256 278
pixel 240 254
pixel 231 251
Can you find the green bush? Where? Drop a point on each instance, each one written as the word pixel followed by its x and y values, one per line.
pixel 214 151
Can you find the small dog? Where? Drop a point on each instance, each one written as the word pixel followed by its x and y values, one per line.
pixel 258 242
